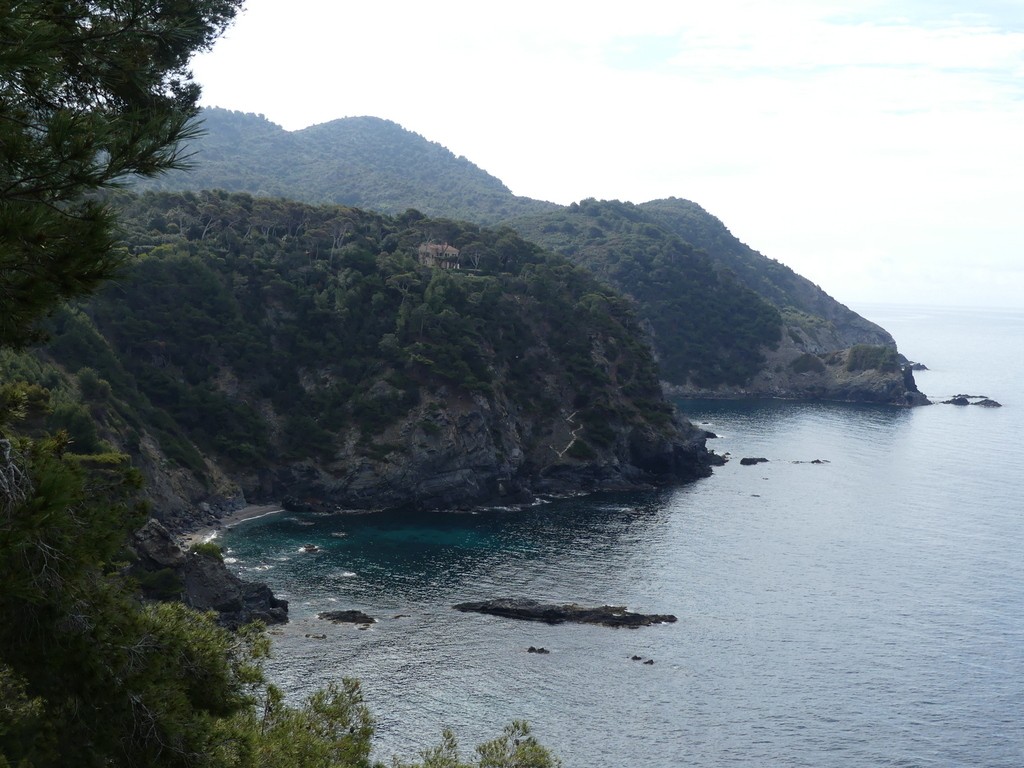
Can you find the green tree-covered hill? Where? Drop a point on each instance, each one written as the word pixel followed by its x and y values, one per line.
pixel 707 326
pixel 363 162
pixel 724 318
pixel 315 351
pixel 827 324
pixel 717 308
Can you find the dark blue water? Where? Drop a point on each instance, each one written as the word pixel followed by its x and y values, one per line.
pixel 868 610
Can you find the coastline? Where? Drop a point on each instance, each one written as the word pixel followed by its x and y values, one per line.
pixel 228 520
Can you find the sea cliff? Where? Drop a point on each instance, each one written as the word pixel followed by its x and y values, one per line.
pixel 344 359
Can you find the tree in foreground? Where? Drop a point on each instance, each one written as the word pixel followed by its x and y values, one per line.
pixel 90 94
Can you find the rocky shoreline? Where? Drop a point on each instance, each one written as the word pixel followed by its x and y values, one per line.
pixel 198 577
pixel 790 374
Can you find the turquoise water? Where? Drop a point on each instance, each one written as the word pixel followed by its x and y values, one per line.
pixel 868 610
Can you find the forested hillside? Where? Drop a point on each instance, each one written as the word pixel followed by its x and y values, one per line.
pixel 321 351
pixel 826 324
pixel 724 318
pixel 363 162
pixel 707 327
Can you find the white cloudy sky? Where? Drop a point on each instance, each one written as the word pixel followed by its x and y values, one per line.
pixel 875 147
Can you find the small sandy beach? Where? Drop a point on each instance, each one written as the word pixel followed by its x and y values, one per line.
pixel 229 520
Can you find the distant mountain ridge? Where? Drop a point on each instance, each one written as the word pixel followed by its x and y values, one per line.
pixel 362 162
pixel 725 319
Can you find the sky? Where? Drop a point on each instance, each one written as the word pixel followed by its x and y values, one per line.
pixel 877 148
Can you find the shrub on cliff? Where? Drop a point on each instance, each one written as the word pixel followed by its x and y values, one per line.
pixel 868 357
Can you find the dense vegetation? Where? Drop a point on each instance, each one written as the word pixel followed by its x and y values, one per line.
pixel 866 357
pixel 324 316
pixel 363 162
pixel 708 328
pixel 803 304
pixel 374 164
pixel 89 93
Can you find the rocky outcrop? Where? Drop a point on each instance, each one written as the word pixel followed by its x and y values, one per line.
pixel 531 610
pixel 457 451
pixel 179 498
pixel 200 580
pixel 793 374
pixel 982 400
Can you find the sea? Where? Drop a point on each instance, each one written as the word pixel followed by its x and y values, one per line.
pixel 855 600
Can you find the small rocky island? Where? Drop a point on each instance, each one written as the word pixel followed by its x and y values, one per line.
pixel 532 610
pixel 346 617
pixel 982 400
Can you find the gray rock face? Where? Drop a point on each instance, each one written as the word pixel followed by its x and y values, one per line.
pixel 455 452
pixel 209 586
pixel 199 580
pixel 793 374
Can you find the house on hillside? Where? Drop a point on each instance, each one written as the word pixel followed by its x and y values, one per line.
pixel 438 256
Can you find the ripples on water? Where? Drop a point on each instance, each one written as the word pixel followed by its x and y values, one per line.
pixel 864 611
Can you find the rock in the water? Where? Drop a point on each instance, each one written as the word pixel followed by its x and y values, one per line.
pixel 531 610
pixel 750 461
pixel 531 649
pixel 346 617
pixel 982 400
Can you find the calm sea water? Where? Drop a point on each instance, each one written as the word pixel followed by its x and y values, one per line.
pixel 868 610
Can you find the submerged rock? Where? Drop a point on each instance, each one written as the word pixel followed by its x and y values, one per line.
pixel 750 461
pixel 532 610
